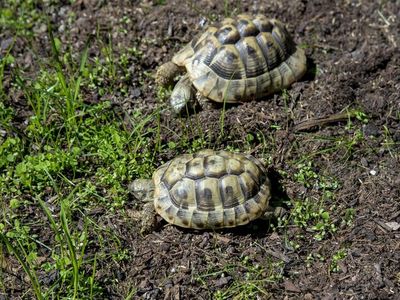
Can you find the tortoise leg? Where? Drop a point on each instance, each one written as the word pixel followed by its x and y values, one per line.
pixel 166 73
pixel 146 218
pixel 205 103
pixel 143 190
pixel 149 220
pixel 273 213
pixel 182 97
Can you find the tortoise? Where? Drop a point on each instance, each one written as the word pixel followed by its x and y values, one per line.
pixel 241 59
pixel 205 190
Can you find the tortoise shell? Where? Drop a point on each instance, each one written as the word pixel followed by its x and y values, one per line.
pixel 242 59
pixel 211 189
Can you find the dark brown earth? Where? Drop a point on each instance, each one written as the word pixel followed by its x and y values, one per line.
pixel 354 62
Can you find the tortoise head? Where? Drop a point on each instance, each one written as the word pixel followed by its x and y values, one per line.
pixel 166 73
pixel 142 189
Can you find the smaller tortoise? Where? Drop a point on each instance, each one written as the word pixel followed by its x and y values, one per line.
pixel 239 60
pixel 206 190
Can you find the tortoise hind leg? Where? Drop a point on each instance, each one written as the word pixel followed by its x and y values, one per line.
pixel 273 213
pixel 205 103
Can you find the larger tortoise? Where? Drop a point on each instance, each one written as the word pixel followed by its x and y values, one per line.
pixel 239 60
pixel 205 190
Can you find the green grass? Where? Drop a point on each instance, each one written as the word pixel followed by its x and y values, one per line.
pixel 21 16
pixel 25 260
pixel 248 280
pixel 71 157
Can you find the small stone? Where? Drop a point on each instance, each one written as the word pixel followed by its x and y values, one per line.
pixel 136 93
pixel 61 28
pixel 6 43
pixel 222 281
pixel 40 28
pixel 364 162
pixel 393 225
pixel 230 250
pixel 308 296
pixel 373 172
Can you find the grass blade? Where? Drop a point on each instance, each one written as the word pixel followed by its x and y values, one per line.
pixel 27 268
pixel 71 246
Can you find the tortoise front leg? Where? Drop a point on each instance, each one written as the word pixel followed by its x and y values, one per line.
pixel 182 97
pixel 143 190
pixel 149 220
pixel 146 218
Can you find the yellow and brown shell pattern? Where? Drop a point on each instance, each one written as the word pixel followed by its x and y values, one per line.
pixel 211 189
pixel 243 59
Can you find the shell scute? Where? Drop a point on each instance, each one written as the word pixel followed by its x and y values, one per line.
pixel 252 57
pixel 234 166
pixel 207 194
pixel 198 220
pixel 228 63
pixel 195 168
pixel 231 191
pixel 214 166
pixel 183 193
pixel 263 24
pixel 247 28
pixel 227 34
pixel 175 171
pixel 241 215
pixel 249 186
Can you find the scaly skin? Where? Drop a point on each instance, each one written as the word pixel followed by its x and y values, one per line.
pixel 182 97
pixel 185 97
pixel 273 212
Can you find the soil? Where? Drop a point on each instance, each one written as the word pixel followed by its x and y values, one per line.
pixel 354 63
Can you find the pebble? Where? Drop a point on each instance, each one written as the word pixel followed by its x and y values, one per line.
pixel 308 296
pixel 40 28
pixel 136 93
pixel 6 43
pixel 364 162
pixel 222 281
